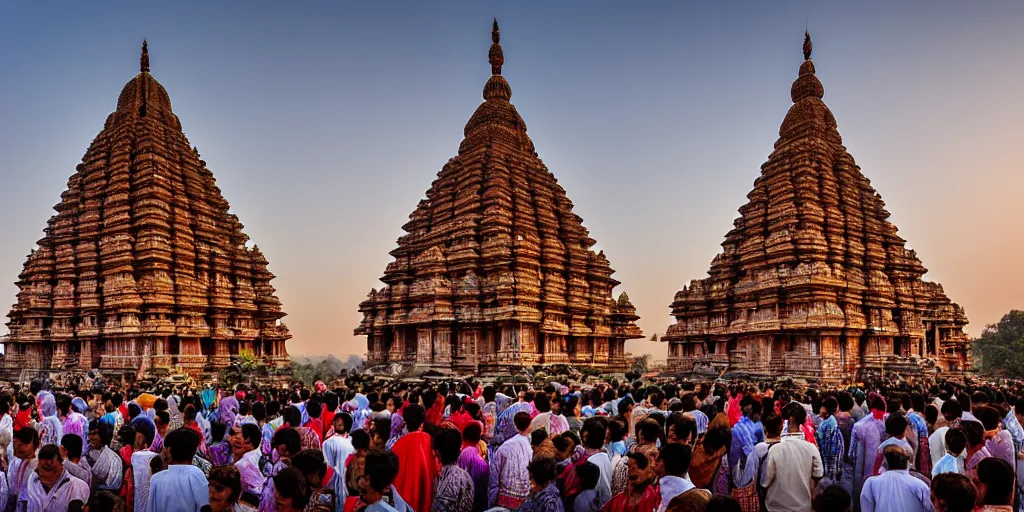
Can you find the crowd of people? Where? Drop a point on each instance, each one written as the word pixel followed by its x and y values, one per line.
pixel 463 446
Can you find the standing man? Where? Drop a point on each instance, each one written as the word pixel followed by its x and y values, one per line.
pixel 793 468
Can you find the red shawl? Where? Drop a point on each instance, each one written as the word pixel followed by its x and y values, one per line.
pixel 648 501
pixel 417 469
pixel 573 485
pixel 434 415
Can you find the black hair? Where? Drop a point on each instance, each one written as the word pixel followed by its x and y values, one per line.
pixel 289 437
pixel 253 434
pixel 182 443
pixel 542 470
pixel 73 444
pixel 346 422
pixel 414 416
pixel 956 491
pixel 593 433
pixel 997 474
pixel 291 483
pixel 310 462
pixel 27 435
pixel 676 457
pixel 448 443
pixel 952 408
pixel 292 416
pixel 723 503
pixel 955 440
pixel 360 440
pixel 381 469
pixel 589 474
pixel 833 499
pixel 49 452
pixel 217 431
pixel 521 420
pixel 641 460
pixel 896 424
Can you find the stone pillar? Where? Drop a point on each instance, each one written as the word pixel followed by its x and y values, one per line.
pixel 443 347
pixel 424 346
pixel 397 351
pixel 554 349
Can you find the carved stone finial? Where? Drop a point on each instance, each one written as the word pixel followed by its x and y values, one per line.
pixel 495 56
pixel 144 60
pixel 807 45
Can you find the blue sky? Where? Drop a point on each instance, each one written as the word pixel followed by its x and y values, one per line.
pixel 325 123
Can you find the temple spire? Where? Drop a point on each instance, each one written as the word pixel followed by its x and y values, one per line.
pixel 807 45
pixel 144 60
pixel 495 56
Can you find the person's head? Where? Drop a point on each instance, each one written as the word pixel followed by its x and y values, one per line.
pixel 723 503
pixel 975 434
pixel 772 424
pixel 291 492
pixel 360 440
pixel 248 439
pixel 617 430
pixel 589 474
pixel 896 457
pixel 162 422
pixel 71 446
pixel 795 414
pixel 674 460
pixel 472 433
pixel 292 416
pixel 218 430
pixel 26 442
pixel 312 465
pixel 542 473
pixel 51 466
pixel 681 428
pixel 833 499
pixel 522 422
pixel 414 416
pixel 953 492
pixel 106 501
pixel 447 444
pixel 379 472
pixel 988 416
pixel 225 486
pixel 751 408
pixel 639 469
pixel 896 425
pixel 181 445
pixel 994 481
pixel 956 442
pixel 537 437
pixel 951 410
pixel 931 414
pixel 829 406
pixel 593 433
pixel 287 442
pixel 342 423
pixel 978 398
pixel 100 434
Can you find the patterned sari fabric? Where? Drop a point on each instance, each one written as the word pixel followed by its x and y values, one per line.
pixel 830 443
pixel 923 461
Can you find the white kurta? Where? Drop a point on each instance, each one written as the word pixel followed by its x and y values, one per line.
pixel 67 489
pixel 179 488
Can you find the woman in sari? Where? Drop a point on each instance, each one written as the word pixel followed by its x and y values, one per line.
pixel 51 429
pixel 708 469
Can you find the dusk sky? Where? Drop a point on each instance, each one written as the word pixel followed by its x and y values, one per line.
pixel 325 123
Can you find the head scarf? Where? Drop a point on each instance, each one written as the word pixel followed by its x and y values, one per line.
pixel 227 410
pixel 146 401
pixel 48 405
pixel 79 405
pixel 320 387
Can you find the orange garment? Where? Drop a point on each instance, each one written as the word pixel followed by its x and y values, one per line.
pixel 417 469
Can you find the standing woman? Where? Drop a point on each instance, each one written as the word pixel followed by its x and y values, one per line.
pixel 50 430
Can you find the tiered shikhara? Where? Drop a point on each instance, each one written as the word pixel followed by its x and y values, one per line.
pixel 813 280
pixel 143 267
pixel 496 271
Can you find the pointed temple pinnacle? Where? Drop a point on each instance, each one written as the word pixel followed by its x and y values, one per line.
pixel 807 45
pixel 144 60
pixel 495 56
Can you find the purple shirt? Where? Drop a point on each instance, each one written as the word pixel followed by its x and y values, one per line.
pixel 478 470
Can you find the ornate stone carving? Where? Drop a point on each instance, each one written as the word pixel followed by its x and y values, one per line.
pixel 495 256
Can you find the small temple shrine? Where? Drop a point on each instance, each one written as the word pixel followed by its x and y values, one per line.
pixel 495 272
pixel 143 268
pixel 813 281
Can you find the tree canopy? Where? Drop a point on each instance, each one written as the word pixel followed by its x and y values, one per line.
pixel 1000 349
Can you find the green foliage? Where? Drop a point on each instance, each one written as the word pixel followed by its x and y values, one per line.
pixel 328 369
pixel 641 364
pixel 1000 349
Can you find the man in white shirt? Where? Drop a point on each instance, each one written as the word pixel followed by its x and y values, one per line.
pixel 51 488
pixel 338 447
pixel 896 490
pixel 673 466
pixel 793 468
pixel 181 487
